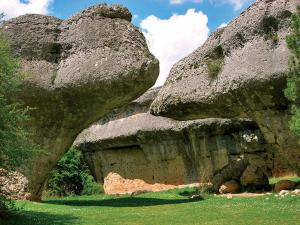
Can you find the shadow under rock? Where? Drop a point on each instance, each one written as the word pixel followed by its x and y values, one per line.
pixel 37 218
pixel 121 202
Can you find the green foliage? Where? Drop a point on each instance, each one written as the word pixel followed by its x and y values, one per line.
pixel 270 26
pixel 240 37
pixel 286 14
pixel 215 61
pixel 214 66
pixel 292 92
pixel 275 38
pixel 274 180
pixel 15 147
pixel 72 177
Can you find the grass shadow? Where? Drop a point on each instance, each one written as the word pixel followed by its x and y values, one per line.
pixel 37 218
pixel 121 202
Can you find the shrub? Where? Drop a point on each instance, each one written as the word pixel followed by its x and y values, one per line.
pixel 292 92
pixel 72 177
pixel 204 191
pixel 214 66
pixel 270 26
pixel 215 61
pixel 15 147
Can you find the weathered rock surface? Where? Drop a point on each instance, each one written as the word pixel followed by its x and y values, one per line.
pixel 143 149
pixel 77 71
pixel 249 83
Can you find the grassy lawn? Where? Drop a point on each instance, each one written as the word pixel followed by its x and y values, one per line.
pixel 158 209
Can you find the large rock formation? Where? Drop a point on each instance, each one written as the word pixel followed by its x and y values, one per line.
pixel 131 150
pixel 240 71
pixel 77 70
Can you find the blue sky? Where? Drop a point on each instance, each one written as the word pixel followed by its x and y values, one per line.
pixel 217 12
pixel 173 28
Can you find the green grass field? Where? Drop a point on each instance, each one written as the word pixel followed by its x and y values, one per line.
pixel 165 208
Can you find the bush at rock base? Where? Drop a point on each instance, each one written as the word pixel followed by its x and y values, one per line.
pixel 71 177
pixel 292 92
pixel 15 148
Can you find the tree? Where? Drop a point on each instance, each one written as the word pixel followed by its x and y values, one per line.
pixel 15 147
pixel 292 92
pixel 72 176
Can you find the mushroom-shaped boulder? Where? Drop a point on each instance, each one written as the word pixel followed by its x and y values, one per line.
pixel 240 71
pixel 77 70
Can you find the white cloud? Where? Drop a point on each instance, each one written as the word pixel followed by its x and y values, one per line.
pixel 13 8
pixel 222 25
pixel 178 2
pixel 172 39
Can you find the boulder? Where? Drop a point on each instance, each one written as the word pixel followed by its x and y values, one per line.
pixel 283 193
pixel 284 185
pixel 232 171
pixel 138 146
pixel 296 192
pixel 240 71
pixel 231 187
pixel 253 178
pixel 77 70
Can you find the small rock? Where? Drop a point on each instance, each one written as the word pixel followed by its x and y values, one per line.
pixel 296 191
pixel 284 185
pixel 229 196
pixel 283 193
pixel 229 187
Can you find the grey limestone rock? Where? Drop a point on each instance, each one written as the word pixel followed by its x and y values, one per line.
pixel 240 71
pixel 134 144
pixel 77 70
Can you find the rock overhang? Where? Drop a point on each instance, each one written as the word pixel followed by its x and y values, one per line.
pixel 77 70
pixel 252 62
pixel 240 71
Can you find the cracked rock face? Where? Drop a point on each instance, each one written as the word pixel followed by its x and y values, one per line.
pixel 131 150
pixel 77 70
pixel 240 71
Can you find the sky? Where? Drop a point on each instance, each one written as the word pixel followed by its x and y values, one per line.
pixel 173 28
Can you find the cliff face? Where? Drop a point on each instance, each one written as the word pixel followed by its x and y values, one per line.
pixel 132 150
pixel 77 70
pixel 240 71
